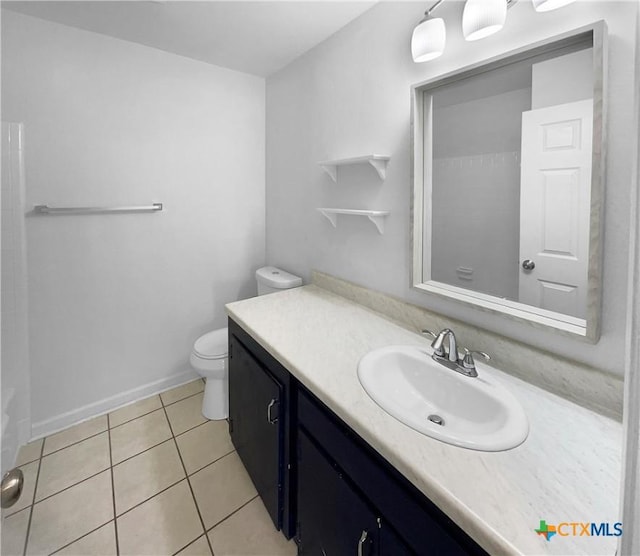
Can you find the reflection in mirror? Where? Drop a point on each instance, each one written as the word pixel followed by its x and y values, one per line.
pixel 504 179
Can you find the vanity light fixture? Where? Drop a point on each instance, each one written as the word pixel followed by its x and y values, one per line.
pixel 482 18
pixel 429 37
pixel 548 5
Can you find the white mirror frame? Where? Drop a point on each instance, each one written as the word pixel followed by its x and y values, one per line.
pixel 541 318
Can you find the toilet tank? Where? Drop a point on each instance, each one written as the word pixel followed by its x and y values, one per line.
pixel 271 279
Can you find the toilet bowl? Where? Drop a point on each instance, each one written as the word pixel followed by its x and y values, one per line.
pixel 210 351
pixel 209 359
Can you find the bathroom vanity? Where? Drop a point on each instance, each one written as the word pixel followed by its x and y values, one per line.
pixel 317 478
pixel 343 476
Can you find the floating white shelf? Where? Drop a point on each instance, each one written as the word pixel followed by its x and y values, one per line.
pixel 376 216
pixel 378 161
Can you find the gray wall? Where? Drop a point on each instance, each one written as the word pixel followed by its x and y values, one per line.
pixel 116 301
pixel 476 191
pixel 350 96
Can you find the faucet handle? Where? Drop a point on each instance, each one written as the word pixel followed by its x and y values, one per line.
pixel 437 344
pixel 468 362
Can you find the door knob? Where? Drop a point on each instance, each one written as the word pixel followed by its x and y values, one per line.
pixel 528 264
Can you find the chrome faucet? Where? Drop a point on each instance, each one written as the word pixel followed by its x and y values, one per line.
pixel 438 345
pixel 450 358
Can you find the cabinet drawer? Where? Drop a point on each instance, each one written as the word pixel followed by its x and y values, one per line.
pixel 421 524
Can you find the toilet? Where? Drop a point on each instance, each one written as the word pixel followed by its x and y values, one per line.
pixel 210 351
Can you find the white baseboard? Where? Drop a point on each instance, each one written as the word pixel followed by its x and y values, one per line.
pixel 101 407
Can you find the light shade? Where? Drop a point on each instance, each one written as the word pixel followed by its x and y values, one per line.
pixel 482 18
pixel 548 5
pixel 428 40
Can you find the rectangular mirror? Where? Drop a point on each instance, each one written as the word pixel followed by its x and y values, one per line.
pixel 508 183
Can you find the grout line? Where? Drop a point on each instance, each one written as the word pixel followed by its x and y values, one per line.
pixel 199 425
pixel 150 497
pixel 113 488
pixel 134 418
pixel 71 486
pixel 181 399
pixel 35 489
pixel 233 513
pixel 187 545
pixel 156 409
pixel 83 536
pixel 210 463
pixel 143 451
pixel 193 496
pixel 72 444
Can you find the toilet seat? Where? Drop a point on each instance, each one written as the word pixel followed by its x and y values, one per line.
pixel 212 345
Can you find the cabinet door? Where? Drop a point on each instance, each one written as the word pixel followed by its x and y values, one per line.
pixel 255 427
pixel 333 520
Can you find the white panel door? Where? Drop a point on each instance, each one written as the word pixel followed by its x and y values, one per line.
pixel 555 201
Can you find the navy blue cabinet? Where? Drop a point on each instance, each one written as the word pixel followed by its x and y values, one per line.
pixel 259 415
pixel 332 517
pixel 407 522
pixel 318 479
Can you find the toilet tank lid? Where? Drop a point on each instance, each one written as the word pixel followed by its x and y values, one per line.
pixel 277 278
pixel 212 345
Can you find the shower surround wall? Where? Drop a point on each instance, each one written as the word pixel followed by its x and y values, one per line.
pixel 14 342
pixel 350 95
pixel 116 301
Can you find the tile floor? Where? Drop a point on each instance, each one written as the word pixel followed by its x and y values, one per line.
pixel 152 478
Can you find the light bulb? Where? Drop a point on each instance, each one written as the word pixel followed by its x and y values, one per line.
pixel 428 40
pixel 482 18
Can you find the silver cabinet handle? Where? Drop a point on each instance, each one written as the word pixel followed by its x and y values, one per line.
pixel 528 264
pixel 271 419
pixel 363 539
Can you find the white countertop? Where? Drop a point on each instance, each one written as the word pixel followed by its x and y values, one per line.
pixel 568 469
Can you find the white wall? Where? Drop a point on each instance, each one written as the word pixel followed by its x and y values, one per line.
pixel 350 96
pixel 116 301
pixel 564 79
pixel 14 363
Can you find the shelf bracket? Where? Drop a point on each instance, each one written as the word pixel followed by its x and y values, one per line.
pixel 332 170
pixel 377 161
pixel 379 166
pixel 378 221
pixel 331 217
pixel 375 216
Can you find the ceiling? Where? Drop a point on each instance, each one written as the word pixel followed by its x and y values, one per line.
pixel 253 37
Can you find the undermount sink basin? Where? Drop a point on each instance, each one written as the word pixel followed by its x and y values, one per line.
pixel 477 413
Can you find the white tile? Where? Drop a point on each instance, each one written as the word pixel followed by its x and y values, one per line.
pixel 74 434
pixel 250 532
pixel 71 465
pixel 221 488
pixel 138 435
pixel 162 525
pixel 199 547
pixel 186 414
pixel 181 392
pixel 69 515
pixel 29 452
pixel 146 474
pixel 14 533
pixel 134 410
pixel 101 542
pixel 204 444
